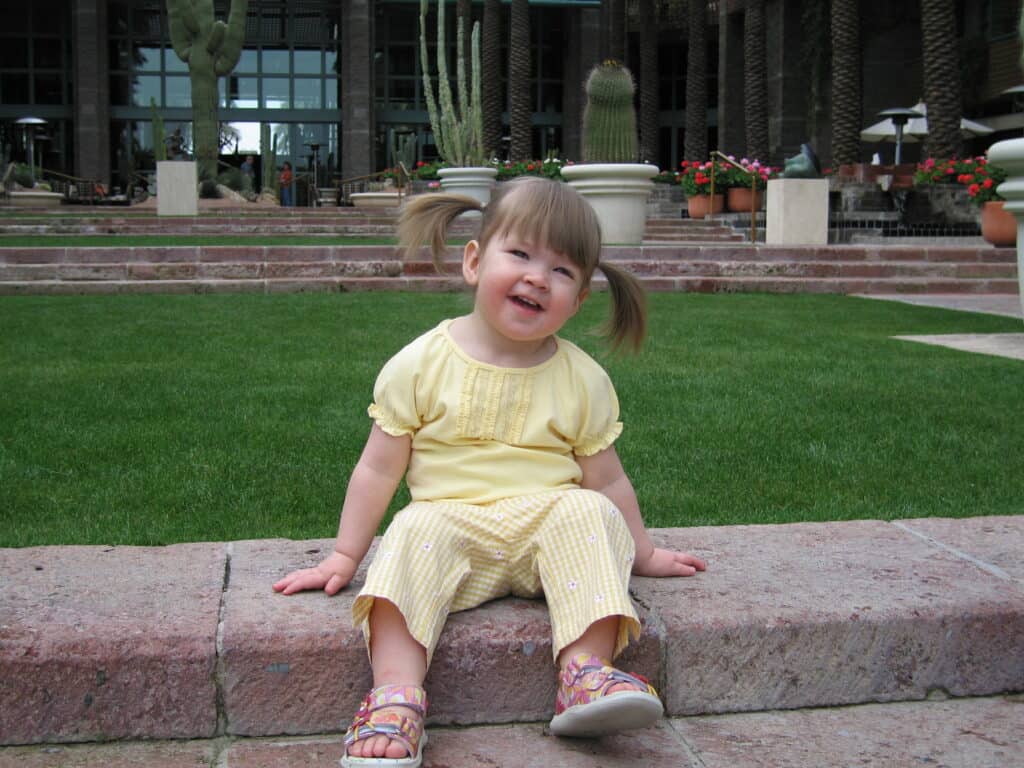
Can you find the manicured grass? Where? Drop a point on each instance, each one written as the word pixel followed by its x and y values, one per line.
pixel 158 419
pixel 130 241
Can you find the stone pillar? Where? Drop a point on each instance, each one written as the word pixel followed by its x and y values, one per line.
pixel 582 52
pixel 788 83
pixel 732 137
pixel 358 125
pixel 92 90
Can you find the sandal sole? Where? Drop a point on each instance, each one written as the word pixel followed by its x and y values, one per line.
pixel 350 761
pixel 625 711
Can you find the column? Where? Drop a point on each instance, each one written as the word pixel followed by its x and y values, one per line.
pixel 358 125
pixel 92 90
pixel 581 54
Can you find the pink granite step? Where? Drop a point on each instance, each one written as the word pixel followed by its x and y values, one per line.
pixel 189 641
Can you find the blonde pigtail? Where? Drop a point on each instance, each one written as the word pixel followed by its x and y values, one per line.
pixel 425 221
pixel 628 323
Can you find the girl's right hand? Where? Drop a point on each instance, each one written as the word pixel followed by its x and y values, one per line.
pixel 331 576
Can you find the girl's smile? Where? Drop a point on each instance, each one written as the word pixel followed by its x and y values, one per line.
pixel 525 293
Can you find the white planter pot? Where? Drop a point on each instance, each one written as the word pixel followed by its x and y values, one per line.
pixel 472 182
pixel 1009 155
pixel 618 193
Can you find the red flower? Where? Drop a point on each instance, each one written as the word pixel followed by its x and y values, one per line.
pixel 987 184
pixel 973 190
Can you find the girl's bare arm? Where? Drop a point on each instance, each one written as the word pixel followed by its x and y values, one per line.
pixel 370 489
pixel 603 472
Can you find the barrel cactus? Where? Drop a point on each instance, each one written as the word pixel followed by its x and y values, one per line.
pixel 609 120
pixel 211 49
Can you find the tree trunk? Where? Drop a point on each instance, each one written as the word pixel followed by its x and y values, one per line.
pixel 755 81
pixel 493 103
pixel 615 23
pixel 942 91
pixel 648 82
pixel 695 142
pixel 846 85
pixel 520 104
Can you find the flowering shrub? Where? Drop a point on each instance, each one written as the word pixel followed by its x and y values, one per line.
pixel 735 177
pixel 695 177
pixel 667 177
pixel 975 173
pixel 426 171
pixel 550 168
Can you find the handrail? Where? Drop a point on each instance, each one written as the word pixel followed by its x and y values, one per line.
pixel 753 189
pixel 400 187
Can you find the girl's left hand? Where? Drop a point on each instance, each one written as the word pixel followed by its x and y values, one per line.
pixel 665 562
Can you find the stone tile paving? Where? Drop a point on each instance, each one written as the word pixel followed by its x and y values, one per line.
pixel 958 733
pixel 1000 344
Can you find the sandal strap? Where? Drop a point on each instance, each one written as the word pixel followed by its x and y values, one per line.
pixel 586 678
pixel 369 721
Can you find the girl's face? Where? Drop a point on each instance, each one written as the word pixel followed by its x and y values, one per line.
pixel 524 291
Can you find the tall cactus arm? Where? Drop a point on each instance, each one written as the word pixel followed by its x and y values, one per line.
pixel 216 37
pixel 428 88
pixel 234 38
pixel 476 105
pixel 183 27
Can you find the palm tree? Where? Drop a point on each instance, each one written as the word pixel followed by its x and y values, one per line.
pixel 490 64
pixel 519 103
pixel 755 80
pixel 614 19
pixel 695 142
pixel 846 91
pixel 942 91
pixel 648 82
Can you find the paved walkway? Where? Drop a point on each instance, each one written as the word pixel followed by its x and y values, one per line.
pixel 1000 344
pixel 960 733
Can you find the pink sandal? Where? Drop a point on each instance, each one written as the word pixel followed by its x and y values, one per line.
pixel 584 708
pixel 407 731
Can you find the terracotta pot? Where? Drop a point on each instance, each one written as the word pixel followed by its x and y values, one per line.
pixel 998 226
pixel 699 206
pixel 743 200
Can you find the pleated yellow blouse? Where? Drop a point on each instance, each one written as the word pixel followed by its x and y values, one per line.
pixel 481 432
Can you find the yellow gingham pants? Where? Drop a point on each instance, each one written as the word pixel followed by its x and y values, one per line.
pixel 571 546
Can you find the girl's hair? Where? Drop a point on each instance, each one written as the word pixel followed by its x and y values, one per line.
pixel 539 211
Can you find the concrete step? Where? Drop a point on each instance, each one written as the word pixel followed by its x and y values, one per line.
pixel 962 733
pixel 189 642
pixel 434 283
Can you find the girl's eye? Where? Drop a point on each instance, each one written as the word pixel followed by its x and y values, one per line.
pixel 520 254
pixel 565 271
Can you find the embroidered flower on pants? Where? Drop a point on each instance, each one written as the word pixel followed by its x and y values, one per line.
pixel 572 584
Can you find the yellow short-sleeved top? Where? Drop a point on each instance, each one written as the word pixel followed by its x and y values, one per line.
pixel 482 433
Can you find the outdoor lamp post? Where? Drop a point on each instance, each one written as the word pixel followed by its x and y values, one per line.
pixel 900 117
pixel 28 129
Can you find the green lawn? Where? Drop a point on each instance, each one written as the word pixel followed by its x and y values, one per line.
pixel 158 419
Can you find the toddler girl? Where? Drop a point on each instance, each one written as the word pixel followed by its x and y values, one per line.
pixel 505 433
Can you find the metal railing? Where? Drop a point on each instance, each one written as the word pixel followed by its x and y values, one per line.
pixel 754 176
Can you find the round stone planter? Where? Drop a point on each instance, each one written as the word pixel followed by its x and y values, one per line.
pixel 472 182
pixel 618 193
pixel 1009 155
pixel 35 198
pixel 375 199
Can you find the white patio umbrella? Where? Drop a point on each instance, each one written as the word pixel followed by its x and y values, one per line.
pixel 917 127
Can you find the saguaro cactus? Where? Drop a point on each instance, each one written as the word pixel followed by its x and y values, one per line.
pixel 268 150
pixel 458 133
pixel 609 120
pixel 211 49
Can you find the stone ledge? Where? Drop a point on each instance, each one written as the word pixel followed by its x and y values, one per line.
pixel 189 641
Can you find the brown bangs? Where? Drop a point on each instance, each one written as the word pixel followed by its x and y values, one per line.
pixel 549 213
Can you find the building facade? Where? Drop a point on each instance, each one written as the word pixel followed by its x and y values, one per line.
pixel 344 76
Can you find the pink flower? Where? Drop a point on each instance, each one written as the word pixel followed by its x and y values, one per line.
pixel 434 185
